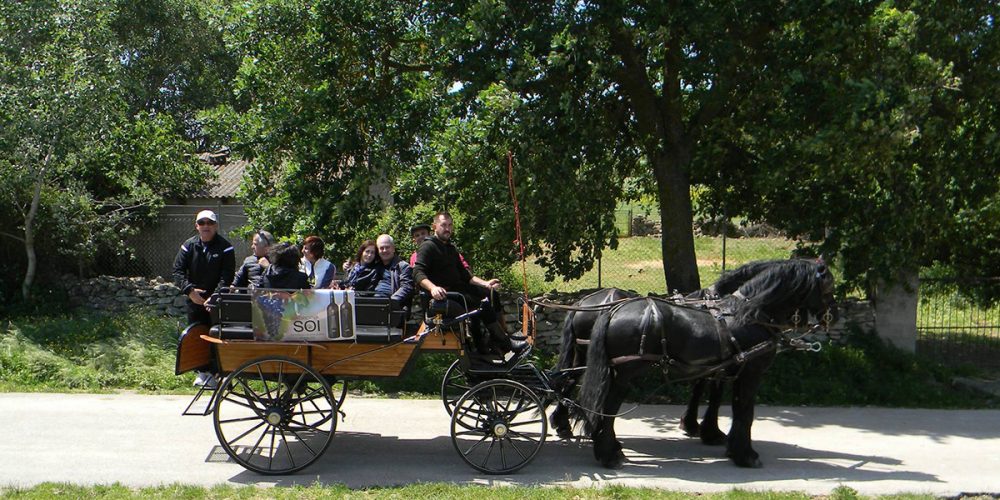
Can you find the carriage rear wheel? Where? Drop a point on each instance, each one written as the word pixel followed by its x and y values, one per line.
pixel 498 426
pixel 275 415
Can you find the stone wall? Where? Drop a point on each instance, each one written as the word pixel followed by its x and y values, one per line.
pixel 108 293
pixel 111 293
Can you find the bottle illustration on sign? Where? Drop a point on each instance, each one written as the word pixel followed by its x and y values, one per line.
pixel 333 317
pixel 346 318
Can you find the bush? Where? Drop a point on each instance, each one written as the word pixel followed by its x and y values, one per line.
pixel 87 351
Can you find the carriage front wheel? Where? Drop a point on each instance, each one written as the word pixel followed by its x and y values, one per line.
pixel 275 415
pixel 498 426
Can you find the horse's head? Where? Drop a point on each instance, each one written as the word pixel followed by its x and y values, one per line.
pixel 821 303
pixel 783 294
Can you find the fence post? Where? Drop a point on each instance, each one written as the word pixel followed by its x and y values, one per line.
pixel 725 226
pixel 896 310
pixel 629 223
pixel 599 273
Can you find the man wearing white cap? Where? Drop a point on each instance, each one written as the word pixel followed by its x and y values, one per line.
pixel 204 263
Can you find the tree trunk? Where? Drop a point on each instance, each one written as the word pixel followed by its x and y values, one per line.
pixel 29 231
pixel 673 188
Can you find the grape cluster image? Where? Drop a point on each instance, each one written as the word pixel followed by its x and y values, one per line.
pixel 272 308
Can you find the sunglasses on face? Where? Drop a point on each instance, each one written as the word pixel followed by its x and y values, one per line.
pixel 206 222
pixel 263 238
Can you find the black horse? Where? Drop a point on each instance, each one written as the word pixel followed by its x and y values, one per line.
pixel 690 343
pixel 573 349
pixel 576 332
pixel 708 430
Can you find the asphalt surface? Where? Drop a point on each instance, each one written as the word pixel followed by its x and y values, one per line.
pixel 141 440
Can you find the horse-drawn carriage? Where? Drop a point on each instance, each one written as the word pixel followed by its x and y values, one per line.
pixel 275 411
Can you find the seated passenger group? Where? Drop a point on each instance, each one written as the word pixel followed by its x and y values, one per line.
pixel 375 269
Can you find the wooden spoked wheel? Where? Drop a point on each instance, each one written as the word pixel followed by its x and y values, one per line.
pixel 498 426
pixel 275 415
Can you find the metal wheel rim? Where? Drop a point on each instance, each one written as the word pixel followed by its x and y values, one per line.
pixel 453 386
pixel 275 415
pixel 498 426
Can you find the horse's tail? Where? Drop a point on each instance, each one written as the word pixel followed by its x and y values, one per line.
pixel 597 377
pixel 567 348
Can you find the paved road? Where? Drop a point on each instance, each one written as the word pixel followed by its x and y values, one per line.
pixel 142 440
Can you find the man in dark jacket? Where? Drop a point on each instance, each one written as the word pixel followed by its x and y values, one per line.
pixel 396 280
pixel 204 263
pixel 253 266
pixel 439 270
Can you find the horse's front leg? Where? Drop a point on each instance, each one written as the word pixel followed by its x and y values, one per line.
pixel 689 422
pixel 739 447
pixel 710 432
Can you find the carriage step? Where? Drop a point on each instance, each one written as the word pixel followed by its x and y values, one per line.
pixel 201 403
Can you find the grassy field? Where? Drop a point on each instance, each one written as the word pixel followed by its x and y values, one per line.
pixel 637 263
pixel 430 490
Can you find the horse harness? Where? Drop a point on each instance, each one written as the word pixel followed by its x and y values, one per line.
pixel 730 349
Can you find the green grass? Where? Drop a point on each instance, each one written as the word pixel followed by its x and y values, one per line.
pixel 84 352
pixel 80 351
pixel 637 263
pixel 428 490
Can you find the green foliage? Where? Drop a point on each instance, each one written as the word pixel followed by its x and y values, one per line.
pixel 331 102
pixel 88 352
pixel 102 97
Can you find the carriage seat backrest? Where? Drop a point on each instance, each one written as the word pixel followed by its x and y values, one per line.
pixel 377 311
pixel 233 316
pixel 235 308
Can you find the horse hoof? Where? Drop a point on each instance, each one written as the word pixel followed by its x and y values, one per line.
pixel 715 438
pixel 747 462
pixel 614 463
pixel 564 433
pixel 690 430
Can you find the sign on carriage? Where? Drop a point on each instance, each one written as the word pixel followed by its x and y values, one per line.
pixel 303 315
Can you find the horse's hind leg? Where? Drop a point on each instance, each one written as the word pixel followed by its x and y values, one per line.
pixel 689 422
pixel 607 448
pixel 710 433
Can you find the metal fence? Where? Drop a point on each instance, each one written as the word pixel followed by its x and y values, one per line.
pixel 155 246
pixel 637 263
pixel 953 328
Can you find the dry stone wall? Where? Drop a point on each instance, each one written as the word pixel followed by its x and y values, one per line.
pixel 109 293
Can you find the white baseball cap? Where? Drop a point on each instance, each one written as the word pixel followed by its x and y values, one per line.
pixel 207 214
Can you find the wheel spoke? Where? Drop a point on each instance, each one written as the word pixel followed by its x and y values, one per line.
pixel 270 453
pixel 503 459
pixel 242 419
pixel 257 444
pixel 241 436
pixel 512 445
pixel 488 453
pixel 288 449
pixel 303 441
pixel 524 436
pixel 529 422
pixel 476 445
pixel 263 381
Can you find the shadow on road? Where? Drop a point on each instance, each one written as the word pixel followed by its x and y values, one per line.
pixel 364 459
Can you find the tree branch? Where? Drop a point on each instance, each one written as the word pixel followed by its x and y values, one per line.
pixel 12 236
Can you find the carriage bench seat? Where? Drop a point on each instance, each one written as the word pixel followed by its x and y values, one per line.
pixel 376 320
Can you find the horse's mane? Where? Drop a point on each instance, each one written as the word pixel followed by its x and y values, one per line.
pixel 731 281
pixel 776 283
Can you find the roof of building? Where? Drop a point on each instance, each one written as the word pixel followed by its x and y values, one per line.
pixel 229 171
